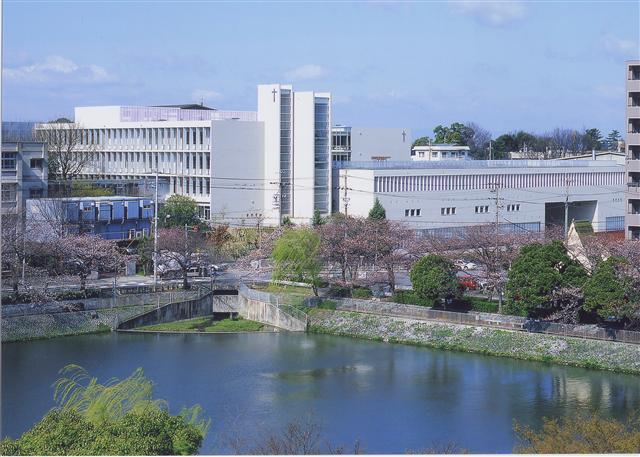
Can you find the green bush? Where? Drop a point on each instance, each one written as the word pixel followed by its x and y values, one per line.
pixel 409 297
pixel 434 278
pixel 361 292
pixel 119 418
pixel 327 304
pixel 482 305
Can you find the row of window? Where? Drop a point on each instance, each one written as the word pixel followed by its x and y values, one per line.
pixel 514 207
pixel 412 212
pixel 482 209
pixel 449 211
pixel 489 181
pixel 174 137
pixel 105 161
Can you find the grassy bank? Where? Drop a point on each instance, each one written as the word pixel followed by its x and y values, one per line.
pixel 603 355
pixel 41 326
pixel 207 324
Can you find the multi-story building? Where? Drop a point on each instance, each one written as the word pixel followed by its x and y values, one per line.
pixel 111 218
pixel 440 152
pixel 632 216
pixel 241 167
pixel 369 143
pixel 24 174
pixel 297 152
pixel 446 196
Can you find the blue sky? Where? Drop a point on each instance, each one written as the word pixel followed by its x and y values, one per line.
pixel 503 65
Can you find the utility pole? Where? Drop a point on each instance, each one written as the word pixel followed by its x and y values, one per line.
pixel 345 199
pixel 155 237
pixel 496 189
pixel 566 207
pixel 490 151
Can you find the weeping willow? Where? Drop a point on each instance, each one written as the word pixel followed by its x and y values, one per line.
pixel 98 403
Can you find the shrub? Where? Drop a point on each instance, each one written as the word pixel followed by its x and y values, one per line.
pixel 361 292
pixel 327 304
pixel 434 278
pixel 482 305
pixel 338 291
pixel 409 297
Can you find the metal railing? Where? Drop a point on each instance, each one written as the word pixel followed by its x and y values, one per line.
pixel 273 299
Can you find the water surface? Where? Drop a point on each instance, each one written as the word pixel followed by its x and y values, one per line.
pixel 390 397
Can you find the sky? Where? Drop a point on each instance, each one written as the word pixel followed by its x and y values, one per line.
pixel 503 65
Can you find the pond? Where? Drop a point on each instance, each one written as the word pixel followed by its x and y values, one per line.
pixel 392 398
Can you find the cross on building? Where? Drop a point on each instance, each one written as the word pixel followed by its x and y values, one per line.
pixel 274 92
pixel 404 136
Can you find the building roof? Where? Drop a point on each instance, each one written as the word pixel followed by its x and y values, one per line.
pixel 186 106
pixel 474 164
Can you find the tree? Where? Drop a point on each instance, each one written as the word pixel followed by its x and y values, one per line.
pixel 457 133
pixel 344 243
pixel 68 151
pixel 287 222
pixel 612 140
pixel 83 254
pixel 178 211
pixel 538 270
pixel 317 219
pixel 392 246
pixel 479 141
pixel 296 257
pixel 612 292
pixel 422 141
pixel 592 139
pixel 181 248
pixel 378 212
pixel 118 418
pixel 591 434
pixel 434 278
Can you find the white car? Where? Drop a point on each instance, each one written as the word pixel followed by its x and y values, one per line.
pixel 464 265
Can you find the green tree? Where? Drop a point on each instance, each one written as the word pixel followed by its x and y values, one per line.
pixel 538 270
pixel 434 278
pixel 378 212
pixel 422 141
pixel 457 133
pixel 317 219
pixel 612 140
pixel 611 292
pixel 178 211
pixel 296 257
pixel 287 222
pixel 117 418
pixel 592 139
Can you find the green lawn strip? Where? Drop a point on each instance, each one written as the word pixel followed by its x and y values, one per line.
pixel 604 355
pixel 207 324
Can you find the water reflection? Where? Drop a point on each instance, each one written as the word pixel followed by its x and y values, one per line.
pixel 392 397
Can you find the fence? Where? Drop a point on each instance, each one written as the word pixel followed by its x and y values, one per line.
pixel 487 320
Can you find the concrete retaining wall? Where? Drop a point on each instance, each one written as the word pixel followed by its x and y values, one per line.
pixel 171 312
pixel 256 306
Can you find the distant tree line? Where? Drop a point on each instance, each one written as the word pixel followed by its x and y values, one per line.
pixel 559 142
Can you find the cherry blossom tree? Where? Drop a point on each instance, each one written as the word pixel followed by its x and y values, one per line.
pixel 184 248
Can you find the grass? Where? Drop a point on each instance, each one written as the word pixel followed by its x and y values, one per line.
pixel 207 324
pixel 290 295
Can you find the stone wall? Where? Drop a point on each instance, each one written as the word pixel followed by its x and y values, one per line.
pixel 256 306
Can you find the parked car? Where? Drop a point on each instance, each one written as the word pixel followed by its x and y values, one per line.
pixel 467 283
pixel 462 264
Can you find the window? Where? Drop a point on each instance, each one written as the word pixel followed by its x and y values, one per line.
pixel 132 233
pixel 418 212
pixel 413 212
pixel 515 207
pixel 450 211
pixel 9 192
pixel 35 193
pixel 8 160
pixel 482 209
pixel 36 163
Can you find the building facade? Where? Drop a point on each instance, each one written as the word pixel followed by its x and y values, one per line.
pixel 437 152
pixel 369 143
pixel 444 197
pixel 632 216
pixel 24 174
pixel 111 218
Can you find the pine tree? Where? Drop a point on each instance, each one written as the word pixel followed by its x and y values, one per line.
pixel 378 212
pixel 317 219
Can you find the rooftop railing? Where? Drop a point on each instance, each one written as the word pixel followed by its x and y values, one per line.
pixel 473 164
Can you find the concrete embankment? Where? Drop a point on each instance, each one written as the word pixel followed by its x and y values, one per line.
pixel 605 355
pixel 35 326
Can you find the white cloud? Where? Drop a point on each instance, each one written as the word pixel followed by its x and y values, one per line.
pixel 620 47
pixel 204 94
pixel 492 13
pixel 57 69
pixel 309 71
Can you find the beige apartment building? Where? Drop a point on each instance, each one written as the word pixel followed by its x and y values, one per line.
pixel 632 216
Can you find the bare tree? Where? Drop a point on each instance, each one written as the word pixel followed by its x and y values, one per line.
pixel 83 254
pixel 182 248
pixel 69 147
pixel 479 142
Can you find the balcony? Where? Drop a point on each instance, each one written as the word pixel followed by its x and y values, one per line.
pixel 633 138
pixel 632 219
pixel 633 111
pixel 633 166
